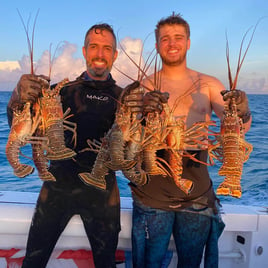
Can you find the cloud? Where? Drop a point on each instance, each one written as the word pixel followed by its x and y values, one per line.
pixel 65 64
pixel 9 74
pixel 254 83
pixel 9 65
pixel 130 62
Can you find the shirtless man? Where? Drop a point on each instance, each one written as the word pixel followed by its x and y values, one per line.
pixel 160 208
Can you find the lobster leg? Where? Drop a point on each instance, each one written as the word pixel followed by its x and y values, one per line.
pixel 97 175
pixel 12 153
pixel 56 146
pixel 40 160
pixel 116 150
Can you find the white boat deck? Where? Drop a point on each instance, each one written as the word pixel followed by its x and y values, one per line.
pixel 243 244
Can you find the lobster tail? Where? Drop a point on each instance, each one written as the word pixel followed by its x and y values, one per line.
pixel 230 186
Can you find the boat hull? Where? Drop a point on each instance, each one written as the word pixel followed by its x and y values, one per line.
pixel 243 244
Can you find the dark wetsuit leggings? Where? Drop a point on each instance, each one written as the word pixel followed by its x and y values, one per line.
pixel 52 214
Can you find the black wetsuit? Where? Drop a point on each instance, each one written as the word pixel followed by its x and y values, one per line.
pixel 93 106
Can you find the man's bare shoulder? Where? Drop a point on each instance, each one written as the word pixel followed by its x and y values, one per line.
pixel 208 81
pixel 211 84
pixel 212 80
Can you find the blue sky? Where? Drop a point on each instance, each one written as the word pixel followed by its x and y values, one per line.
pixel 66 22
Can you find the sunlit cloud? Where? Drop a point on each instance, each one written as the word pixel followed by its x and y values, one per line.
pixel 9 74
pixel 131 61
pixel 65 64
pixel 254 83
pixel 9 65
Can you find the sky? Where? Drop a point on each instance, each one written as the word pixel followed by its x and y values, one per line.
pixel 61 26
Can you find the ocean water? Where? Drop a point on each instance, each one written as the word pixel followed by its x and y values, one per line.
pixel 255 172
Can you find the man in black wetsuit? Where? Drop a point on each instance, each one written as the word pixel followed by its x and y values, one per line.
pixel 92 100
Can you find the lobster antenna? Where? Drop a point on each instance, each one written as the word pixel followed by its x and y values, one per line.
pixel 147 65
pixel 189 91
pixel 129 77
pixel 52 59
pixel 140 70
pixel 155 73
pixel 30 42
pixel 240 61
pixel 132 79
pixel 33 31
pixel 228 63
pixel 159 76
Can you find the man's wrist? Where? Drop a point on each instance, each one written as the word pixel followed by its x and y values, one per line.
pixel 15 102
pixel 246 117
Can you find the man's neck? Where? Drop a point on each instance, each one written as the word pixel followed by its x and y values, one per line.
pixel 177 72
pixel 91 78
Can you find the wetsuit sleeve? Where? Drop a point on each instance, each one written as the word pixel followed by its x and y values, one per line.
pixel 9 115
pixel 13 104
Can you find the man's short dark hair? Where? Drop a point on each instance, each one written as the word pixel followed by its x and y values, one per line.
pixel 174 19
pixel 98 28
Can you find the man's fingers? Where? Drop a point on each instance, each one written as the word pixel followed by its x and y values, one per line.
pixel 134 85
pixel 30 87
pixel 134 97
pixel 43 80
pixel 134 103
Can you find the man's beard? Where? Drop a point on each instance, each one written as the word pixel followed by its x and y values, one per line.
pixel 98 72
pixel 174 62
